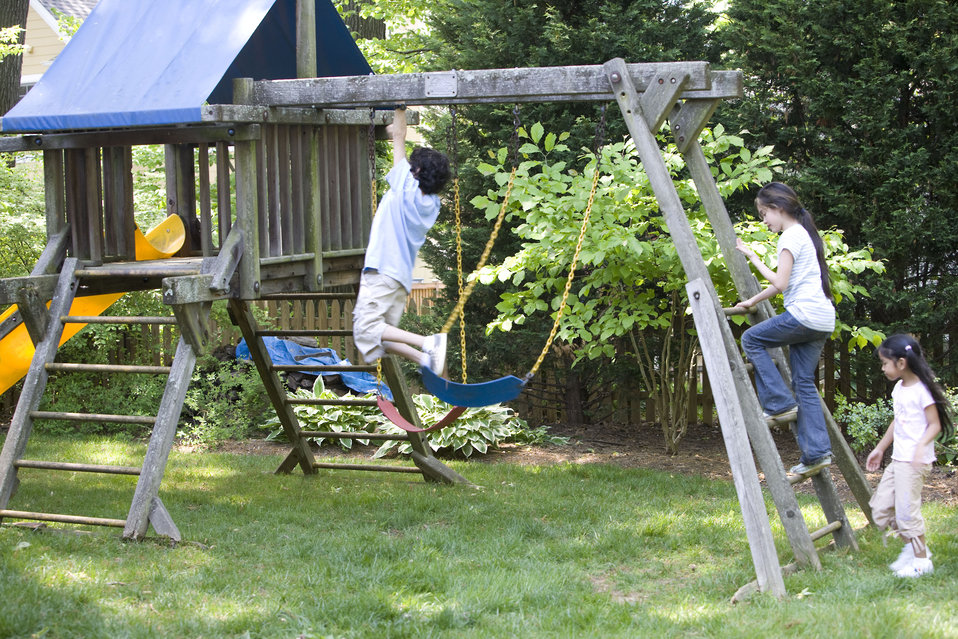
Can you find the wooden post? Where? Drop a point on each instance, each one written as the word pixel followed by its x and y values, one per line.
pixel 161 441
pixel 744 474
pixel 694 265
pixel 305 38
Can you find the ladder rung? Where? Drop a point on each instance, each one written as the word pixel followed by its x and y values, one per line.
pixel 830 528
pixel 738 310
pixel 115 319
pixel 107 368
pixel 306 332
pixel 315 401
pixel 94 417
pixel 82 468
pixel 64 519
pixel 370 436
pixel 140 272
pixel 321 368
pixel 372 467
pixel 309 296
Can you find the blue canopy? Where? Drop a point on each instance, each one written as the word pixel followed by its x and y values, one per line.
pixel 157 63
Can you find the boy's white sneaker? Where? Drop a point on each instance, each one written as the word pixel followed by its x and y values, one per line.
pixel 434 347
pixel 919 566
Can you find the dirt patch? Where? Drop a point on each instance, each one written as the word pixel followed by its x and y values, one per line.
pixel 702 453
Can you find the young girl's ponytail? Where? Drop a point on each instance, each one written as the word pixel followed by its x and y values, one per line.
pixel 906 346
pixel 782 197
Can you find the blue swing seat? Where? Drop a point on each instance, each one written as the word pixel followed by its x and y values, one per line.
pixel 496 391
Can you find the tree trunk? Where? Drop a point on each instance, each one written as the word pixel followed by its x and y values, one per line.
pixel 13 13
pixel 363 28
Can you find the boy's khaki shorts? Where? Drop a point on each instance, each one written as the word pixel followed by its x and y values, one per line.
pixel 381 301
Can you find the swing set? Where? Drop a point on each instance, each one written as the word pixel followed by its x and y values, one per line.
pixel 463 395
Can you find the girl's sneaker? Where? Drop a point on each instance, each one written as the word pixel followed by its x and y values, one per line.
pixel 906 557
pixel 919 566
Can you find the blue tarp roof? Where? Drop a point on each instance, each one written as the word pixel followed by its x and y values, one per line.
pixel 155 63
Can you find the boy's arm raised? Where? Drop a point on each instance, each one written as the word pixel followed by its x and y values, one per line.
pixel 399 135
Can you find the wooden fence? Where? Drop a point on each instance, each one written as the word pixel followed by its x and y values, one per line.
pixel 836 372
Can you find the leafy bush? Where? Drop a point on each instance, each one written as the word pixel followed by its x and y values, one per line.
pixel 226 400
pixel 336 419
pixel 477 429
pixel 865 424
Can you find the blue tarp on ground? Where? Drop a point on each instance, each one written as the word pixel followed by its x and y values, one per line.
pixel 156 63
pixel 285 352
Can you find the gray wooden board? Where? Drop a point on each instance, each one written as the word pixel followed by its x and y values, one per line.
pixel 744 474
pixel 542 84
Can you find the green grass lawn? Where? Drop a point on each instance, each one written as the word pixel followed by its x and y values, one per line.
pixel 560 551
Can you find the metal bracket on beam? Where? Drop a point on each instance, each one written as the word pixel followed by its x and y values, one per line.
pixel 443 84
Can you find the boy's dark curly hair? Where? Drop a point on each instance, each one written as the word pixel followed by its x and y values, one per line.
pixel 431 168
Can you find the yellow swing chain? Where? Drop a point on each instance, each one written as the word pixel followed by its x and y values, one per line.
pixel 599 140
pixel 568 283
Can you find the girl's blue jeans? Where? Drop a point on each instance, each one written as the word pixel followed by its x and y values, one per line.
pixel 804 350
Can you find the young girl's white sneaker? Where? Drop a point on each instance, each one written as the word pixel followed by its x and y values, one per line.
pixel 919 566
pixel 905 558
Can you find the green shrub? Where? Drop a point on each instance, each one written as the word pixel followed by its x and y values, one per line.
pixel 477 429
pixel 226 400
pixel 865 424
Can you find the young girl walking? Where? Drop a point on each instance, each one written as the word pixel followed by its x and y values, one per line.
pixel 808 320
pixel 921 413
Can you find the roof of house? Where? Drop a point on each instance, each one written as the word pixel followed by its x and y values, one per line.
pixel 75 8
pixel 156 63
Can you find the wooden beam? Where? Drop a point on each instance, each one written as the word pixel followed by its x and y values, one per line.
pixel 132 137
pixel 544 84
pixel 298 115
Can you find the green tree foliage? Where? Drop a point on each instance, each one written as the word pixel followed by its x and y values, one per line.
pixel 858 98
pixel 627 301
pixel 22 218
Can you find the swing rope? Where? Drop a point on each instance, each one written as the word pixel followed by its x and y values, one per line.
pixel 457 207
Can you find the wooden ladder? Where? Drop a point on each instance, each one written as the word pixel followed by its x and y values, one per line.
pixel 743 425
pixel 46 327
pixel 300 454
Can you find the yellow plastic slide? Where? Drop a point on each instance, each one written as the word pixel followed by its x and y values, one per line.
pixel 16 349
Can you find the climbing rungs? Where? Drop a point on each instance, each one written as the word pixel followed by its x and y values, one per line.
pixel 320 368
pixel 317 332
pixel 115 319
pixel 372 467
pixel 94 417
pixel 81 468
pixel 826 530
pixel 315 401
pixel 107 368
pixel 370 436
pixel 63 519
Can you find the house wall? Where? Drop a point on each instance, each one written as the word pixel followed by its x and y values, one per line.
pixel 43 44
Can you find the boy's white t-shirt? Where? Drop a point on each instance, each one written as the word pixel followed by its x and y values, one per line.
pixel 804 297
pixel 402 220
pixel 910 423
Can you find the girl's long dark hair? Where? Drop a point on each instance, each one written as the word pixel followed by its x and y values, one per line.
pixel 906 346
pixel 782 197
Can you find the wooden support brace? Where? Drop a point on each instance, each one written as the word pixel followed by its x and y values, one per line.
pixel 53 253
pixel 10 287
pixel 162 522
pixel 191 320
pixel 659 98
pixel 33 310
pixel 744 473
pixel 161 441
pixel 689 120
pixel 227 261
